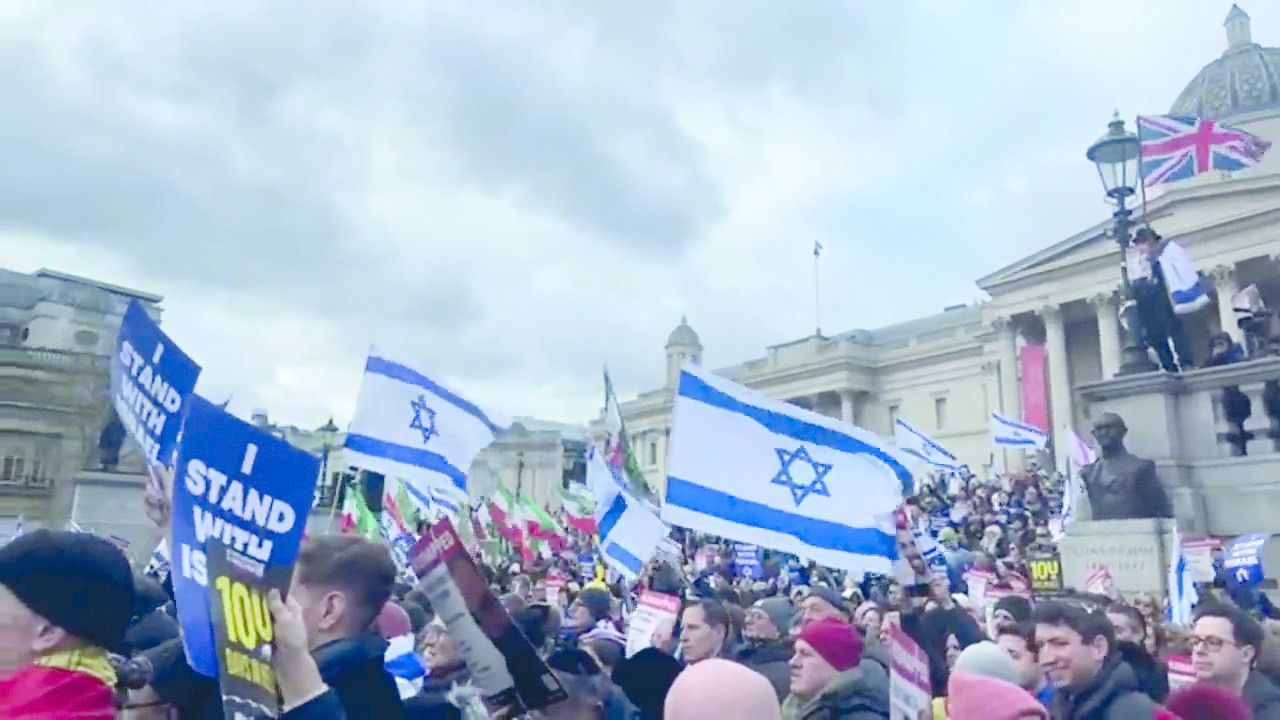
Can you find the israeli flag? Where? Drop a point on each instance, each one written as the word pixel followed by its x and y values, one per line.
pixel 407 425
pixel 922 447
pixel 404 665
pixel 749 468
pixel 1181 277
pixel 1182 590
pixel 630 530
pixel 1011 433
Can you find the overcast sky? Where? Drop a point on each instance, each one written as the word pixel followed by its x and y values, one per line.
pixel 515 193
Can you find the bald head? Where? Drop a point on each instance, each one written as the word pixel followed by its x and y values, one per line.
pixel 720 688
pixel 1109 431
pixel 1111 420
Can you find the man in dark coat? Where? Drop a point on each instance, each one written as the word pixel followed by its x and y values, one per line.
pixel 1078 651
pixel 340 582
pixel 768 648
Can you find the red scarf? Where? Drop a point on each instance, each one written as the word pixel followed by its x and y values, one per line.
pixel 45 693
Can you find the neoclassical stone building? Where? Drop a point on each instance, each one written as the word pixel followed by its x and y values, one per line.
pixel 56 335
pixel 946 372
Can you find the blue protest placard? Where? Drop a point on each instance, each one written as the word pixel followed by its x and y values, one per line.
pixel 746 560
pixel 1243 559
pixel 243 487
pixel 151 379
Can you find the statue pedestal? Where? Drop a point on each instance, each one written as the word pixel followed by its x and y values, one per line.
pixel 1135 551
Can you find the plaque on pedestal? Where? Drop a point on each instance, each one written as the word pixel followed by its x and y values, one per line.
pixel 1136 552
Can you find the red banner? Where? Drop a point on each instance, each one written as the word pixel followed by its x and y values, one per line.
pixel 1035 391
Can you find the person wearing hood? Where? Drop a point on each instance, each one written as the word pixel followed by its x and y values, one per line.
pixel 1131 636
pixel 828 681
pixel 65 599
pixel 769 647
pixel 1078 652
pixel 1225 643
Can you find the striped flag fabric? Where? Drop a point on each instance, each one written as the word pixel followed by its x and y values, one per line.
pixel 750 468
pixel 579 509
pixel 1182 590
pixel 1011 433
pixel 923 448
pixel 408 425
pixel 1177 147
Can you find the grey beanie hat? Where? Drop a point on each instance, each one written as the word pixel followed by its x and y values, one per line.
pixel 986 659
pixel 779 610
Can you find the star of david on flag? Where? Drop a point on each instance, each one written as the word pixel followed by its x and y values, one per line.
pixel 800 490
pixel 409 426
pixel 424 418
pixel 732 451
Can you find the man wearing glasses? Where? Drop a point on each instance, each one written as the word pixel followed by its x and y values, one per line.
pixel 1225 642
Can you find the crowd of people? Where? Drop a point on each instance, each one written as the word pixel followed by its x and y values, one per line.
pixel 83 635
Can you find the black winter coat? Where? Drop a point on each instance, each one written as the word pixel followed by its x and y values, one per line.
pixel 351 666
pixel 771 660
pixel 1113 694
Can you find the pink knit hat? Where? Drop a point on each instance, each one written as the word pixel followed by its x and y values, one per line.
pixel 837 642
pixel 989 698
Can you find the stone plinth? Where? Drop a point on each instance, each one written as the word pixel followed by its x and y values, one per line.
pixel 1135 551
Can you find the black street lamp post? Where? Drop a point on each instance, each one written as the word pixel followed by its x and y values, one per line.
pixel 1116 156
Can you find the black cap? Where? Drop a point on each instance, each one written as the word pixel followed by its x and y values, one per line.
pixel 77 581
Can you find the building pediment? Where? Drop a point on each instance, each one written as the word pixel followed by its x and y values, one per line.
pixel 1185 213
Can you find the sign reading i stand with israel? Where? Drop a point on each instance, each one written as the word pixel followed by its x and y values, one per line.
pixel 247 489
pixel 151 379
pixel 1243 560
pixel 750 468
pixel 409 426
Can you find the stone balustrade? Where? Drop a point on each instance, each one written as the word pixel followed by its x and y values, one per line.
pixel 1214 434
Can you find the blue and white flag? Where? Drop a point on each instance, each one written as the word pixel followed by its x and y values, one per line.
pixel 1182 590
pixel 630 530
pixel 402 662
pixel 1186 291
pixel 923 448
pixel 750 468
pixel 409 426
pixel 601 481
pixel 1011 433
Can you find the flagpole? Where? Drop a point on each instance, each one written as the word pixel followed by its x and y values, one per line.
pixel 817 296
pixel 1142 180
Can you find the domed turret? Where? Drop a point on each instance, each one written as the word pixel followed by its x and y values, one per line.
pixel 1245 80
pixel 683 346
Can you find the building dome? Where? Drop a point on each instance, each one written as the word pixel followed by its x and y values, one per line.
pixel 1245 80
pixel 684 336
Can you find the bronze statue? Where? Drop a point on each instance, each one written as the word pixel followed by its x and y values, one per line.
pixel 1122 486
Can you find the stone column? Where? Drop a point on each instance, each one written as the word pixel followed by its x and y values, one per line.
pixel 846 406
pixel 1009 399
pixel 1055 341
pixel 1224 281
pixel 1104 304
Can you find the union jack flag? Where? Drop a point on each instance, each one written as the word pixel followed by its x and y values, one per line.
pixel 1176 147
